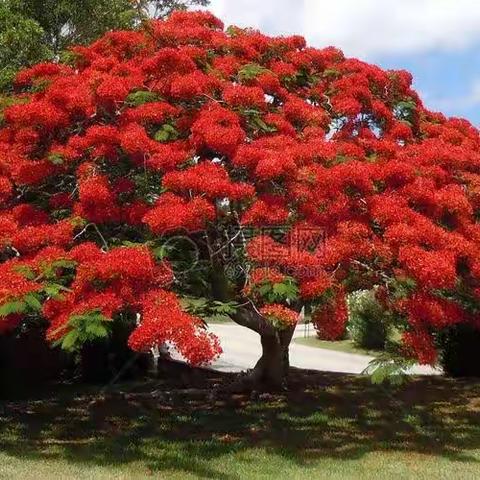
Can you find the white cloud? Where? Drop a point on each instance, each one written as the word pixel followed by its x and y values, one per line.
pixel 364 28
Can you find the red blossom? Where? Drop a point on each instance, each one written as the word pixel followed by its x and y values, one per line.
pixel 217 129
pixel 279 315
pixel 207 178
pixel 430 269
pixel 164 321
pixel 14 285
pixel 189 216
pixel 330 318
pixel 419 343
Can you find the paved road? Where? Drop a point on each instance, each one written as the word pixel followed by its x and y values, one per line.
pixel 241 350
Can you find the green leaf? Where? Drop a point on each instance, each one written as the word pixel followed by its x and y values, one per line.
pixel 16 306
pixel 261 125
pixel 96 330
pixel 404 111
pixel 232 31
pixel 93 316
pixel 52 290
pixel 160 252
pixel 166 133
pixel 87 327
pixel 224 308
pixel 286 290
pixel 265 288
pixel 389 367
pixel 194 305
pixel 280 288
pixel 64 263
pixel 136 99
pixel 55 158
pixel 32 301
pixel 251 71
pixel 402 287
pixel 127 243
pixel 70 340
pixel 69 58
pixel 407 104
pixel 330 72
pixel 27 272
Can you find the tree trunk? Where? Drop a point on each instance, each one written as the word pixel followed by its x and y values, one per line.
pixel 272 368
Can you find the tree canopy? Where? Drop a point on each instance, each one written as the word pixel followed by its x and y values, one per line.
pixel 183 167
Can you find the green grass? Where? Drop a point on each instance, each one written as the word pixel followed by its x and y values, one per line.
pixel 340 346
pixel 327 426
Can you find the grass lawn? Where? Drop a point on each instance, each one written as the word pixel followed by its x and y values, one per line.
pixel 326 426
pixel 341 345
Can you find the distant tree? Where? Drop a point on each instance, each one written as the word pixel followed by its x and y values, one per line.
pixel 32 31
pixel 161 8
pixel 68 22
pixel 21 43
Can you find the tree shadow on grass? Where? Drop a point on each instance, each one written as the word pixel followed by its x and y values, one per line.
pixel 170 428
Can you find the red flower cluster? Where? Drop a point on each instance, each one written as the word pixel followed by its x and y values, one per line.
pixel 419 344
pixel 266 210
pixel 217 129
pixel 209 179
pixel 97 202
pixel 311 289
pixel 279 316
pixel 14 285
pixel 164 321
pixel 172 213
pixel 427 311
pixel 330 318
pixel 431 269
pixel 105 282
pixel 262 275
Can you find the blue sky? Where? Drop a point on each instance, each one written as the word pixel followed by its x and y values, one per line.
pixel 437 40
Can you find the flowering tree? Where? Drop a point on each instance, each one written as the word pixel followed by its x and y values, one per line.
pixel 284 176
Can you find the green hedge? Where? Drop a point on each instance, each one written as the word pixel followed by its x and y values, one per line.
pixel 460 351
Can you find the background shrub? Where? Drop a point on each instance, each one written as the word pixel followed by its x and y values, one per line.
pixel 367 322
